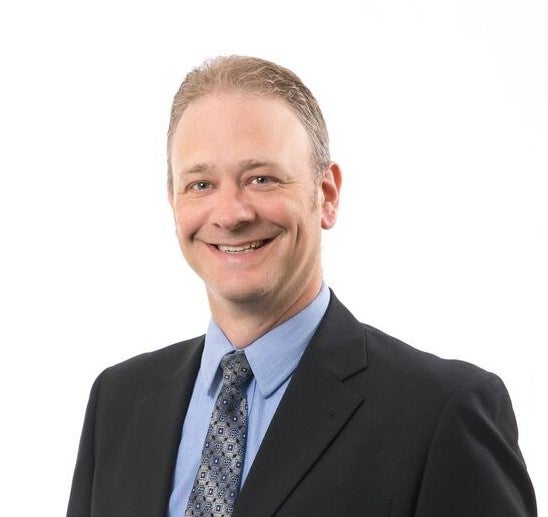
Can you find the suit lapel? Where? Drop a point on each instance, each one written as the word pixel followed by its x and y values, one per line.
pixel 314 409
pixel 159 419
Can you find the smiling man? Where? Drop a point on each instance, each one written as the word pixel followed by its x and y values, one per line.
pixel 249 210
pixel 287 406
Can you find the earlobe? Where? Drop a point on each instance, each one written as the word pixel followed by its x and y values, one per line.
pixel 331 186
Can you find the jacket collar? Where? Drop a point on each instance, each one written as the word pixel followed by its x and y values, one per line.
pixel 315 408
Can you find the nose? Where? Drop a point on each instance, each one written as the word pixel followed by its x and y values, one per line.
pixel 233 208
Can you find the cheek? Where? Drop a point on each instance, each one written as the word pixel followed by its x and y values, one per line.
pixel 185 224
pixel 178 231
pixel 286 210
pixel 274 211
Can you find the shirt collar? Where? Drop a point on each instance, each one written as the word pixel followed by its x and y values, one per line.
pixel 274 356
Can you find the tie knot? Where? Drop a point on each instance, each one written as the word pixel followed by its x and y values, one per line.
pixel 236 369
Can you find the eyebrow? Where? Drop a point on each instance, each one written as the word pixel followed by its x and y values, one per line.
pixel 197 169
pixel 248 165
pixel 243 166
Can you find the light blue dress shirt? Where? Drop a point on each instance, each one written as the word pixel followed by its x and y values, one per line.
pixel 273 358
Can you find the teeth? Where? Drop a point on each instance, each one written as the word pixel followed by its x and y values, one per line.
pixel 237 249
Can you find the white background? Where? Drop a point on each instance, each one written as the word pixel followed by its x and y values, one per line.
pixel 438 115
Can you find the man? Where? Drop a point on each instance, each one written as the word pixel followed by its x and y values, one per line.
pixel 288 406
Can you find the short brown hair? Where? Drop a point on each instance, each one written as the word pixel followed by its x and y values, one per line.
pixel 259 77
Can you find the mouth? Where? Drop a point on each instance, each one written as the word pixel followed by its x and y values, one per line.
pixel 242 248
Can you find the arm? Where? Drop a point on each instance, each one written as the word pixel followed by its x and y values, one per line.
pixel 474 466
pixel 82 482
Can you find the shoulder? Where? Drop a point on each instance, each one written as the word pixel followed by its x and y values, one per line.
pixel 392 359
pixel 152 367
pixel 451 389
pixel 399 358
pixel 157 358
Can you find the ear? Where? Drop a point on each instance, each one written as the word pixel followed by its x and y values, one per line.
pixel 331 187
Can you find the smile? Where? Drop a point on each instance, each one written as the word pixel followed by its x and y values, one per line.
pixel 250 246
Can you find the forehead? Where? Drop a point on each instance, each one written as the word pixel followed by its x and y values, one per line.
pixel 237 125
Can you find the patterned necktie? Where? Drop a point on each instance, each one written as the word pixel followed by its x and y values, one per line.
pixel 217 482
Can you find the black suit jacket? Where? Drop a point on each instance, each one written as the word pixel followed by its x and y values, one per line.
pixel 368 426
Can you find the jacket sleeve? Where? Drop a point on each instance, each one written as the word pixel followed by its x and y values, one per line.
pixel 82 482
pixel 474 465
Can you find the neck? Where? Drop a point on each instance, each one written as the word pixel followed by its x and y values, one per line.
pixel 244 322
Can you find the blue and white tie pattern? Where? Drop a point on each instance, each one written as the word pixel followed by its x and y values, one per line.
pixel 217 482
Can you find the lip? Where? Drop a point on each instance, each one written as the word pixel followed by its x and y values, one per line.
pixel 242 247
pixel 248 249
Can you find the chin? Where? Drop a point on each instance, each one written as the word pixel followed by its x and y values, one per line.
pixel 239 293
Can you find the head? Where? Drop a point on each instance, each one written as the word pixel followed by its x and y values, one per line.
pixel 249 190
pixel 258 77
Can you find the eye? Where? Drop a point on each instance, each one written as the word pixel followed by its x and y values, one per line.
pixel 262 180
pixel 199 186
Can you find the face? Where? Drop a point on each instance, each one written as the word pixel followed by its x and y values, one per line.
pixel 247 207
